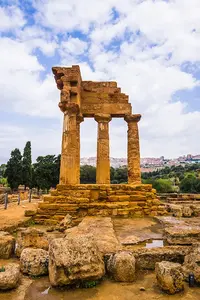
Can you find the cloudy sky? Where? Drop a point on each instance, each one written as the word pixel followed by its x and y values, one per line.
pixel 150 47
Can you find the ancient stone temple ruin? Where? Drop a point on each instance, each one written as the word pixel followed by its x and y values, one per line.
pixel 102 101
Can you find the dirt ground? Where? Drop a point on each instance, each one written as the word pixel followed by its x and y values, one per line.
pixel 13 216
pixel 107 289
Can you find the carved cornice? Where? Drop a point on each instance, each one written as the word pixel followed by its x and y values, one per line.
pixel 69 108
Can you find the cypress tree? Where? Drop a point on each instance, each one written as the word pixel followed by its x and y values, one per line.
pixel 27 166
pixel 14 169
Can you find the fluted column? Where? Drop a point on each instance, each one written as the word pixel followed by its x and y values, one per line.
pixel 70 146
pixel 133 151
pixel 79 120
pixel 103 149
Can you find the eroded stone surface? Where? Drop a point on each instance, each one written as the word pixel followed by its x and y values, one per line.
pixel 7 245
pixel 182 235
pixel 34 262
pixel 121 266
pixel 74 259
pixel 147 258
pixel 33 238
pixel 102 231
pixel 169 277
pixel 10 277
pixel 192 263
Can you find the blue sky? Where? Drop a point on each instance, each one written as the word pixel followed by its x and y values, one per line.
pixel 151 48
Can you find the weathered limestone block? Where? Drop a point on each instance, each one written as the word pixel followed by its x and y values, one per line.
pixel 187 211
pixel 7 245
pixel 10 277
pixel 121 266
pixel 169 277
pixel 74 259
pixel 30 213
pixel 65 223
pixel 182 235
pixel 192 263
pixel 34 262
pixel 147 258
pixel 98 226
pixel 33 238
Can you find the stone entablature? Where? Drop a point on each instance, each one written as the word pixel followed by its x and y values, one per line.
pixel 102 101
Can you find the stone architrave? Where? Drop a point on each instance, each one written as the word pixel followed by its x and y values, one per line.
pixel 69 168
pixel 134 173
pixel 103 149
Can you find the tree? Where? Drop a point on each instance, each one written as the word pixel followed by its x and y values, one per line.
pixel 27 166
pixel 88 174
pixel 2 170
pixel 190 184
pixel 14 169
pixel 121 175
pixel 45 172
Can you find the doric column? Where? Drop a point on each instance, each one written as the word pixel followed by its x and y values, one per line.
pixel 69 159
pixel 79 120
pixel 103 149
pixel 134 173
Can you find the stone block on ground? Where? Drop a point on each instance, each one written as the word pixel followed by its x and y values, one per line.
pixel 30 212
pixel 10 277
pixel 7 245
pixel 147 258
pixel 74 259
pixel 31 238
pixel 170 277
pixel 192 263
pixel 121 266
pixel 34 262
pixel 182 235
pixel 102 230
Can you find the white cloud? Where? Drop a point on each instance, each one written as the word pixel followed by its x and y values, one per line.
pixel 11 17
pixel 143 48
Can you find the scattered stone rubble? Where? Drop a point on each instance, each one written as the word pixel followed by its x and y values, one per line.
pixel 87 251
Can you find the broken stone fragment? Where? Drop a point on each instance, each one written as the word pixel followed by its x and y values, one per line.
pixel 31 238
pixel 121 266
pixel 9 278
pixel 169 277
pixel 7 245
pixel 34 262
pixel 192 263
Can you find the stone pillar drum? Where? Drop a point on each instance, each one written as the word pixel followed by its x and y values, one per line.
pixel 133 151
pixel 79 119
pixel 103 149
pixel 70 164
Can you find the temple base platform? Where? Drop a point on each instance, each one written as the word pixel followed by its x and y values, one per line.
pixel 82 200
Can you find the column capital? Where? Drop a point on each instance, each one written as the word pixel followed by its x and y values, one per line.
pixel 132 118
pixel 102 118
pixel 69 108
pixel 79 119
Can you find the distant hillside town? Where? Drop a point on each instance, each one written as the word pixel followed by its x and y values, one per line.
pixel 148 164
